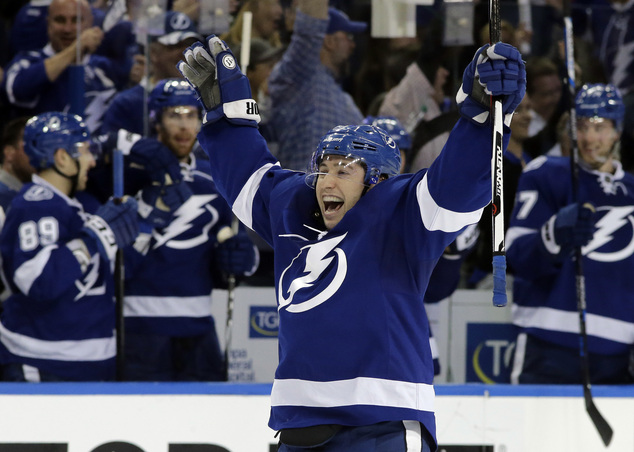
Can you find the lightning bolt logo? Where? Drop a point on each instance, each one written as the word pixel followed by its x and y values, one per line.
pixel 317 261
pixel 183 221
pixel 615 219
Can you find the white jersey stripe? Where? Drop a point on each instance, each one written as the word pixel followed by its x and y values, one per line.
pixel 243 205
pixel 148 306
pixel 568 322
pixel 82 350
pixel 29 271
pixel 436 218
pixel 357 391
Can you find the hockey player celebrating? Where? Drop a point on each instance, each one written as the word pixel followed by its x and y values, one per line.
pixel 355 244
pixel 546 226
pixel 58 324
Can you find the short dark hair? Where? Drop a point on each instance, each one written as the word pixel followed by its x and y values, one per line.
pixel 12 134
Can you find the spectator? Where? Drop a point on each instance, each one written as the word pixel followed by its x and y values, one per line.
pixel 355 245
pixel 58 323
pixel 304 84
pixel 547 225
pixel 170 332
pixel 267 15
pixel 15 168
pixel 40 81
pixel 544 87
pixel 263 57
pixel 127 111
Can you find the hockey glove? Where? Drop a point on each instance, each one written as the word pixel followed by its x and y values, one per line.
pixel 571 227
pixel 155 159
pixel 237 255
pixel 112 226
pixel 157 203
pixel 496 70
pixel 222 88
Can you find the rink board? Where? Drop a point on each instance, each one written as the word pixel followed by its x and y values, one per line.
pixel 221 417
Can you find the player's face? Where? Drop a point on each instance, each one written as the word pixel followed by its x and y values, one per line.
pixel 596 138
pixel 339 186
pixel 178 129
pixel 62 22
pixel 86 162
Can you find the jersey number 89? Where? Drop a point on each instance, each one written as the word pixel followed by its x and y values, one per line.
pixel 32 234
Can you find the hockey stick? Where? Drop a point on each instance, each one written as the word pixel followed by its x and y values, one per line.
pixel 225 234
pixel 497 179
pixel 119 270
pixel 602 426
pixel 76 85
pixel 228 232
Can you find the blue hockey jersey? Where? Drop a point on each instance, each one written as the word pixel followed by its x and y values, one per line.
pixel 60 317
pixel 353 333
pixel 169 292
pixel 544 288
pixel 30 92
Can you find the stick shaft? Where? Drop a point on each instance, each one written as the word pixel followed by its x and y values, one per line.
pixel 119 269
pixel 497 176
pixel 602 426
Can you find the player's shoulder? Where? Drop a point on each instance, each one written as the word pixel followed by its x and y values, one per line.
pixel 547 164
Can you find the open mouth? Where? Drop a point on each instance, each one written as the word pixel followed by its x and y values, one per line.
pixel 332 204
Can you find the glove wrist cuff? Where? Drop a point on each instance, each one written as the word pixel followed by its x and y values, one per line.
pixel 97 228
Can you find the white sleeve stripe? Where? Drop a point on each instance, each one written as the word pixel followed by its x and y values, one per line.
pixel 29 271
pixel 243 205
pixel 356 391
pixel 568 322
pixel 98 349
pixel 436 218
pixel 515 233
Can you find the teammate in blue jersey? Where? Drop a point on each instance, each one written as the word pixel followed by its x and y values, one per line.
pixel 355 244
pixel 170 332
pixel 58 323
pixel 546 225
pixel 126 111
pixel 40 81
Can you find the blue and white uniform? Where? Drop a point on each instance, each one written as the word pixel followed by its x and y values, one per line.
pixel 353 335
pixel 30 92
pixel 178 304
pixel 60 317
pixel 545 303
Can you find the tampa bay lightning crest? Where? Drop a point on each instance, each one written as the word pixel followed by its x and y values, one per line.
pixel 313 276
pixel 613 238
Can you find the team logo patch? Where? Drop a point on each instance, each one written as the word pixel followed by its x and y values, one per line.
pixel 313 276
pixel 38 193
pixel 229 61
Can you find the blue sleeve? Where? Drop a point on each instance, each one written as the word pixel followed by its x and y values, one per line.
pixel 24 79
pixel 301 57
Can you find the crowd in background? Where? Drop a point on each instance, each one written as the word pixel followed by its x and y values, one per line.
pixel 305 84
